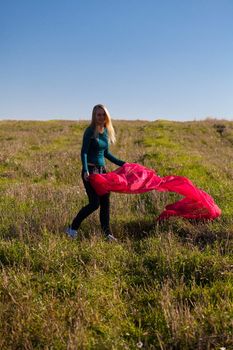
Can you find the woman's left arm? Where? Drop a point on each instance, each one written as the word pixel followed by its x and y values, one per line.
pixel 113 159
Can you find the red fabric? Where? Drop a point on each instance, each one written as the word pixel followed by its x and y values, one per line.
pixel 135 178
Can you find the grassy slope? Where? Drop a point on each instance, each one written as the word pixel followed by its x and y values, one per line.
pixel 166 286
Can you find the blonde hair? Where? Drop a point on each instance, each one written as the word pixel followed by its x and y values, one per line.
pixel 107 124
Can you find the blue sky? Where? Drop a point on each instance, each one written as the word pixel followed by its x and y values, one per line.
pixel 151 59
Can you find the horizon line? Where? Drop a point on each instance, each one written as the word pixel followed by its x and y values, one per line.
pixel 117 119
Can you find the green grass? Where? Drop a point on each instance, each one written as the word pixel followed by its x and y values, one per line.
pixel 162 286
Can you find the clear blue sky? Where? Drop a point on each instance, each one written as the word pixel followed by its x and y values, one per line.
pixel 151 59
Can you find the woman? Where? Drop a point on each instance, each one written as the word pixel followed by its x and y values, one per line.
pixel 95 148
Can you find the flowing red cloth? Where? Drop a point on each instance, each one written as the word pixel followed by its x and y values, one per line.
pixel 135 178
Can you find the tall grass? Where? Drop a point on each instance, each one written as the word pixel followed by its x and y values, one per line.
pixel 162 286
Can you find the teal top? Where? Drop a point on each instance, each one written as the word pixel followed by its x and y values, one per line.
pixel 95 149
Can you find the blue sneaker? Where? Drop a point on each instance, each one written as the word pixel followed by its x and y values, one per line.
pixel 71 233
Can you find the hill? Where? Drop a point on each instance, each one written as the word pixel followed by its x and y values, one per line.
pixel 162 286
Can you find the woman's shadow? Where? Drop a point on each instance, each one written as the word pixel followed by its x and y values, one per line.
pixel 137 229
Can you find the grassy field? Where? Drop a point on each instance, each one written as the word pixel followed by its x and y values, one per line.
pixel 162 286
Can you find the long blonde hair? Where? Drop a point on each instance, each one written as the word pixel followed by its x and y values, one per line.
pixel 107 124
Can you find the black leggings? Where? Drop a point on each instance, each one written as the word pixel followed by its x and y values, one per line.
pixel 95 202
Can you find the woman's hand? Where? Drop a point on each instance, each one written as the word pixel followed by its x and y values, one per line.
pixel 86 176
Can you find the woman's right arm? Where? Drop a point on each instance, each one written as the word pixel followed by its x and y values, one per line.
pixel 84 151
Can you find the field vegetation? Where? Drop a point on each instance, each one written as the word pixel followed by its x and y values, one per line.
pixel 163 285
